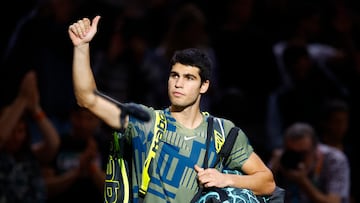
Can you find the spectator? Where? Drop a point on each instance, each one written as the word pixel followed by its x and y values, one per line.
pixel 78 171
pixel 21 159
pixel 310 171
pixel 334 123
pixel 51 61
pixel 333 129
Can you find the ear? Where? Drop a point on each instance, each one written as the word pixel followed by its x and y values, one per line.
pixel 204 86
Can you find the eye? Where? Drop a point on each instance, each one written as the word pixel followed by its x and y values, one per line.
pixel 190 77
pixel 174 75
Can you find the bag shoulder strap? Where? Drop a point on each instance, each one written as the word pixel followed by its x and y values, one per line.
pixel 208 139
pixel 159 130
pixel 223 144
pixel 209 134
pixel 226 148
pixel 222 147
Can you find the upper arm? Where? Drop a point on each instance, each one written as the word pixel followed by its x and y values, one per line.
pixel 254 164
pixel 261 176
pixel 107 111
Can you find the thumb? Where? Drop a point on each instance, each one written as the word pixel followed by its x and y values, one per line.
pixel 96 20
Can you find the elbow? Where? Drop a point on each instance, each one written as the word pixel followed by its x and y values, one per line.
pixel 85 99
pixel 268 185
pixel 271 188
pixel 267 188
pixel 55 148
pixel 51 152
pixel 271 185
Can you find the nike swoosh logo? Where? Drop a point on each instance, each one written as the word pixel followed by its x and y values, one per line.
pixel 189 137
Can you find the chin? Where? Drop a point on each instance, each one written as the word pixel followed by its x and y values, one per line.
pixel 176 103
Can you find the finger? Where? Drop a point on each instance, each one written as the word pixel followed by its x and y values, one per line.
pixel 81 27
pixel 86 22
pixel 198 168
pixel 75 29
pixel 71 31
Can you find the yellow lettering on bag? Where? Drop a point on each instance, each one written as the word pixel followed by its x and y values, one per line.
pixel 159 130
pixel 219 140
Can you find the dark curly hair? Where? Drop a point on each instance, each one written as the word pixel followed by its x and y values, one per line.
pixel 194 57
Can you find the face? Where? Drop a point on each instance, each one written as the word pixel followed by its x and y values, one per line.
pixel 184 86
pixel 338 124
pixel 305 147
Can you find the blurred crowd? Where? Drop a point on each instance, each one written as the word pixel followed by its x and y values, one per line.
pixel 276 63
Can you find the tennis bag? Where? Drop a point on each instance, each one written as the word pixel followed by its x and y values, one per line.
pixel 117 181
pixel 230 194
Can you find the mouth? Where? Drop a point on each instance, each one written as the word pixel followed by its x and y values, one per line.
pixel 177 94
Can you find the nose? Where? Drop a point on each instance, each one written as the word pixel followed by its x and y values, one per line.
pixel 179 82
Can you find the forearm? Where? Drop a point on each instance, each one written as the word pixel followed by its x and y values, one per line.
pixel 83 79
pixel 316 195
pixel 261 183
pixel 81 33
pixel 49 145
pixel 85 86
pixel 9 118
pixel 257 176
pixel 58 184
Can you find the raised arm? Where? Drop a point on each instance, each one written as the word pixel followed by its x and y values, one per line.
pixel 47 147
pixel 81 33
pixel 10 116
pixel 28 100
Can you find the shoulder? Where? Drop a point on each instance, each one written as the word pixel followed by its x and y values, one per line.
pixel 332 155
pixel 227 125
pixel 224 126
pixel 140 113
pixel 138 124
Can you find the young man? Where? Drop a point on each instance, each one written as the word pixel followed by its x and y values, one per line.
pixel 175 173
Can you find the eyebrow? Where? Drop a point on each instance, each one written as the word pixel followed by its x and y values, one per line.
pixel 185 75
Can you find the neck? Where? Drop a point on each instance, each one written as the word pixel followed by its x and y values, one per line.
pixel 188 117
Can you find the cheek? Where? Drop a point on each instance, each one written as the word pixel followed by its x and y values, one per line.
pixel 194 91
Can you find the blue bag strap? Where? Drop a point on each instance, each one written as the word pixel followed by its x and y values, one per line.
pixel 208 139
pixel 206 158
